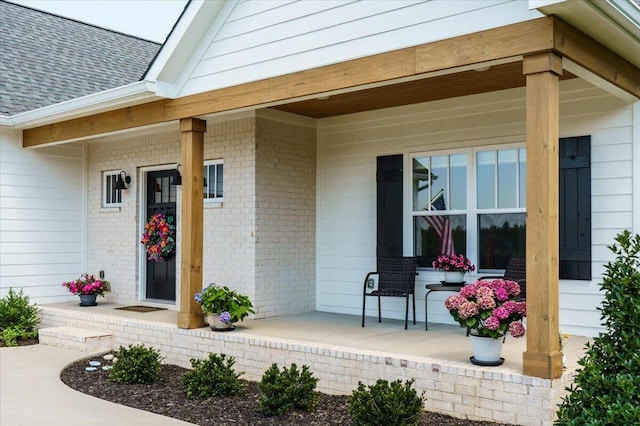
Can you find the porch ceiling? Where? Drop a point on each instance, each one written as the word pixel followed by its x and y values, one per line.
pixel 497 77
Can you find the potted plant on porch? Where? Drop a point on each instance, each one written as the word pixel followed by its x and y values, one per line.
pixel 223 306
pixel 88 288
pixel 489 310
pixel 454 267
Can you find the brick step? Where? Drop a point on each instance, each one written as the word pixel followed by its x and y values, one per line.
pixel 80 339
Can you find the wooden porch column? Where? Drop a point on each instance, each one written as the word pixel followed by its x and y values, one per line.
pixel 542 357
pixel 191 222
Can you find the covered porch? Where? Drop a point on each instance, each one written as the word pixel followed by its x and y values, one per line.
pixel 545 49
pixel 341 353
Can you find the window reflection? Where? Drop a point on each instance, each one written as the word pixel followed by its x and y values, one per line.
pixel 501 237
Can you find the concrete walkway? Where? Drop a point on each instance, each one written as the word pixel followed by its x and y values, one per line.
pixel 31 393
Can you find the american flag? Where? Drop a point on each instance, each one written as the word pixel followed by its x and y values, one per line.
pixel 442 225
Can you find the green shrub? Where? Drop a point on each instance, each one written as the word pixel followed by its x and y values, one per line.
pixel 285 390
pixel 606 389
pixel 136 364
pixel 212 377
pixel 18 318
pixel 384 403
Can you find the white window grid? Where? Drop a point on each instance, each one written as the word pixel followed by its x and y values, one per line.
pixel 212 183
pixel 111 197
pixel 472 212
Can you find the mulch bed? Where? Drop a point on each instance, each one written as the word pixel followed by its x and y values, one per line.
pixel 166 397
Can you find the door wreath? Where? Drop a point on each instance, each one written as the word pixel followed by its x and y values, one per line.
pixel 159 237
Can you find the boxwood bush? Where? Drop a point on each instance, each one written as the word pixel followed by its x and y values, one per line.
pixel 606 389
pixel 386 403
pixel 18 318
pixel 285 390
pixel 136 364
pixel 213 377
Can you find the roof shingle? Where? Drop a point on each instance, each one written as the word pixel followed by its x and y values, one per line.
pixel 46 59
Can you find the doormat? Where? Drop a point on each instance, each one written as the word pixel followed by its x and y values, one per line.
pixel 140 308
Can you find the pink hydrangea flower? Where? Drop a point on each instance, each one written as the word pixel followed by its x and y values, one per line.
pixel 453 302
pixel 501 313
pixel 516 329
pixel 468 310
pixel 492 323
pixel 486 303
pixel 468 291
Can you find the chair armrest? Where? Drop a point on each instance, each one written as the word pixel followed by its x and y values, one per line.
pixel 367 279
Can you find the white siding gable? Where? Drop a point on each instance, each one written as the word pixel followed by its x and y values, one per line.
pixel 263 39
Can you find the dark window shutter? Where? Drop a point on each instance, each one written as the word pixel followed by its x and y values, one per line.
pixel 575 208
pixel 389 206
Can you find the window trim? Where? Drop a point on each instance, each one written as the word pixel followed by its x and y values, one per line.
pixel 206 164
pixel 106 174
pixel 472 212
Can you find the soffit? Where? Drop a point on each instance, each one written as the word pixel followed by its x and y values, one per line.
pixel 498 77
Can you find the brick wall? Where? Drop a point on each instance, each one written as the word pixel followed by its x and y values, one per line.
pixel 285 214
pixel 259 241
pixel 113 236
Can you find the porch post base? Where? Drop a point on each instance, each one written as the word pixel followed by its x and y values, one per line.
pixel 190 320
pixel 543 365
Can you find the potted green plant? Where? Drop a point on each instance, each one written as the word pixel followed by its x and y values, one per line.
pixel 489 310
pixel 88 288
pixel 223 306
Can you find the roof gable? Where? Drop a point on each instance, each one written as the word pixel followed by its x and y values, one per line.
pixel 46 59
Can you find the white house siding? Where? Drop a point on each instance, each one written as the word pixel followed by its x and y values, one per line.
pixel 347 151
pixel 285 213
pixel 262 39
pixel 42 217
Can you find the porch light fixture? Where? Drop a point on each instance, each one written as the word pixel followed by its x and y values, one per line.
pixel 176 177
pixel 122 179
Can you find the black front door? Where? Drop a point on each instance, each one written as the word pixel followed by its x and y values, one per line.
pixel 161 197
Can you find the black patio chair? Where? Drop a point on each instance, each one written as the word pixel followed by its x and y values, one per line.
pixel 516 271
pixel 396 278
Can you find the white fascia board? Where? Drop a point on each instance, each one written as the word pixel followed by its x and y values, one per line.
pixel 128 95
pixel 183 41
pixel 537 4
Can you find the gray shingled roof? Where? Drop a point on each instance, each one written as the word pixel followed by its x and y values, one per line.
pixel 46 59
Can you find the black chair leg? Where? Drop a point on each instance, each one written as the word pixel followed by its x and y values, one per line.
pixel 379 310
pixel 414 308
pixel 364 304
pixel 406 312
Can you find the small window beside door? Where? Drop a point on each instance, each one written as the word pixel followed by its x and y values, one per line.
pixel 213 181
pixel 111 197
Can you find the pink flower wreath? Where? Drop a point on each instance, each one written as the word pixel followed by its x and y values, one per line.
pixel 159 237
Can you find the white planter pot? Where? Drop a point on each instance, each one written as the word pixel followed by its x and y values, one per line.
pixel 216 324
pixel 486 350
pixel 453 277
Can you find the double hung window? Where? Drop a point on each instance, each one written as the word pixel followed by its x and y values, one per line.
pixel 470 202
pixel 111 197
pixel 214 182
